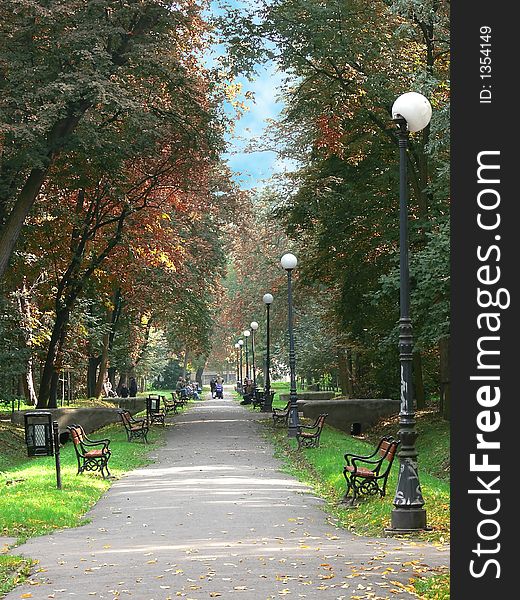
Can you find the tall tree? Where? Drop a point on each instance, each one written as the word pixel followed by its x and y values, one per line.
pixel 72 70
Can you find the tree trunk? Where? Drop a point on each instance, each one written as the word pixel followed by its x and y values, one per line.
pixel 57 338
pixel 343 373
pixel 58 365
pixel 198 375
pixel 112 376
pixel 24 308
pixel 103 364
pixel 93 363
pixel 32 399
pixel 444 368
pixel 11 230
pixel 58 135
pixel 185 363
pixel 420 399
pixel 350 374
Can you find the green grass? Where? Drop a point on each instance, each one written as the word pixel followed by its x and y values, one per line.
pixel 280 387
pixel 31 504
pixel 435 587
pixel 13 570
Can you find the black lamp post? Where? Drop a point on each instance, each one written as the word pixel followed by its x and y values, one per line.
pixel 246 334
pixel 241 343
pixel 411 112
pixel 254 327
pixel 289 262
pixel 237 350
pixel 268 403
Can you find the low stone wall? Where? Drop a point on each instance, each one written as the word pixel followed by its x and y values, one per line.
pixel 89 418
pixel 309 396
pixel 343 412
pixel 134 405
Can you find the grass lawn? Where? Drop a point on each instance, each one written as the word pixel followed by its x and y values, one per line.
pixel 13 570
pixel 32 505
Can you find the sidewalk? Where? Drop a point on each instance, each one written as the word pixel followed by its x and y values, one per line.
pixel 214 517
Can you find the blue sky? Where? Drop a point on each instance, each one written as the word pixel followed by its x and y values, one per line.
pixel 253 168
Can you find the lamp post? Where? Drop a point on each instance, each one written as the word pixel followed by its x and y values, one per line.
pixel 289 262
pixel 246 334
pixel 268 405
pixel 411 112
pixel 237 350
pixel 254 327
pixel 241 343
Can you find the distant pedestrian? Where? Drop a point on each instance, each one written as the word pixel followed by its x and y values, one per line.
pixel 124 391
pixel 212 384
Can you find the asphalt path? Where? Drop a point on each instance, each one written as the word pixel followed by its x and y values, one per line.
pixel 215 517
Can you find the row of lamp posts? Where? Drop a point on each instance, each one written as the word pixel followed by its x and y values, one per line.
pixel 411 112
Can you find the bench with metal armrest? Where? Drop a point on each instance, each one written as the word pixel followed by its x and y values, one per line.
pixel 173 405
pixel 368 475
pixel 281 415
pixel 308 436
pixel 135 428
pixel 92 455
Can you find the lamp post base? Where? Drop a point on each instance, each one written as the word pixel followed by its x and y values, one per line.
pixel 408 520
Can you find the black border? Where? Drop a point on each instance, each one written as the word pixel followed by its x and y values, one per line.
pixel 477 127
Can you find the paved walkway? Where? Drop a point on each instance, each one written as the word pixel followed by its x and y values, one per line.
pixel 214 517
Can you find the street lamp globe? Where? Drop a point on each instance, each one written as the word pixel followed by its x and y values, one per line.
pixel 237 345
pixel 254 325
pixel 240 342
pixel 289 261
pixel 414 108
pixel 268 299
pixel 247 333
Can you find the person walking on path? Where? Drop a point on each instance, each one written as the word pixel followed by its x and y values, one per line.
pixel 214 516
pixel 212 384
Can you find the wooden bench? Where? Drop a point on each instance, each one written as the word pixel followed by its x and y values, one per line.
pixel 154 414
pixel 308 436
pixel 281 415
pixel 173 405
pixel 181 396
pixel 92 455
pixel 135 428
pixel 370 479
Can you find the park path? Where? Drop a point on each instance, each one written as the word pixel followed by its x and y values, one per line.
pixel 214 517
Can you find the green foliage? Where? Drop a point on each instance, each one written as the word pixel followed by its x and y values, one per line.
pixel 433 587
pixel 169 375
pixel 13 352
pixel 346 62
